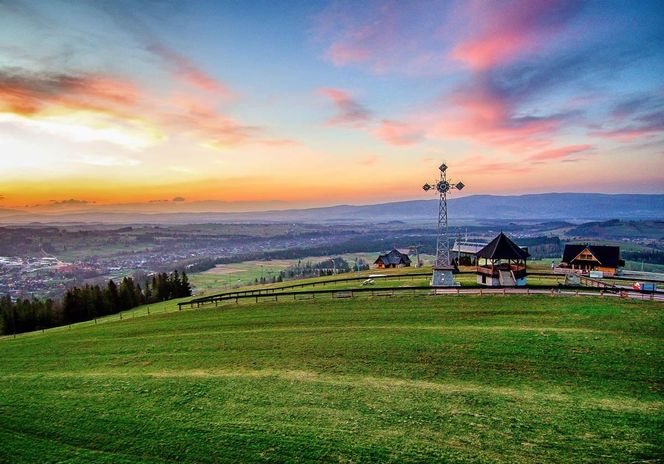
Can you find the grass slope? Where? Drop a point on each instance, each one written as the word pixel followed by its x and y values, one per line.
pixel 472 379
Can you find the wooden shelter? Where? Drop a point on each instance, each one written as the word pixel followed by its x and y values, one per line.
pixel 502 263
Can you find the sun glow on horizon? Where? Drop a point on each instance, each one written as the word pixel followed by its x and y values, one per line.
pixel 355 104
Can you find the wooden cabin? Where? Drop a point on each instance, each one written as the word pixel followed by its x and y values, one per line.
pixel 392 259
pixel 585 258
pixel 502 263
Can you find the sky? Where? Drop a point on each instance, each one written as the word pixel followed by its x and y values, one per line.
pixel 246 104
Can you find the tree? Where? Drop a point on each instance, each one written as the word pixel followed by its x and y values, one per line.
pixel 113 297
pixel 185 286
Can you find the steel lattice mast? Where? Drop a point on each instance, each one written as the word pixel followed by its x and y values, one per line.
pixel 442 268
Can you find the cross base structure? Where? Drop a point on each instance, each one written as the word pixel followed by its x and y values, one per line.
pixel 443 277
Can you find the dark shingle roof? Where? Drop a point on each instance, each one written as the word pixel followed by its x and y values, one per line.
pixel 393 257
pixel 608 256
pixel 502 247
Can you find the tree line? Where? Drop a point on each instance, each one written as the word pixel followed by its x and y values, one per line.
pixel 89 302
pixel 650 256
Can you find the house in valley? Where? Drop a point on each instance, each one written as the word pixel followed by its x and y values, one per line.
pixel 583 258
pixel 394 258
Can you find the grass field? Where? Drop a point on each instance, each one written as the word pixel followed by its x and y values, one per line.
pixel 226 276
pixel 473 379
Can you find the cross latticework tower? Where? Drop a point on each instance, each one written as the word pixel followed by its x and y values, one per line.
pixel 442 269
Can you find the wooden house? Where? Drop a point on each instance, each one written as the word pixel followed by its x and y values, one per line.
pixel 502 263
pixel 392 259
pixel 585 258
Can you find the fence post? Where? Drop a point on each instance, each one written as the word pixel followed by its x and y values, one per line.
pixel 149 309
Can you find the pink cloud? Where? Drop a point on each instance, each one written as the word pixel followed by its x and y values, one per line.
pixel 398 133
pixel 638 118
pixel 476 112
pixel 349 111
pixel 628 134
pixel 353 114
pixel 285 143
pixel 185 71
pixel 560 153
pixel 385 36
pixel 369 160
pixel 479 163
pixel 198 118
pixel 342 54
pixel 502 31
pixel 423 37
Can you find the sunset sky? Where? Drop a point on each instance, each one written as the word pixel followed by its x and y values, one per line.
pixel 314 103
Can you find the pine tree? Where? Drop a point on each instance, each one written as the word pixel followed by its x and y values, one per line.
pixel 185 286
pixel 113 297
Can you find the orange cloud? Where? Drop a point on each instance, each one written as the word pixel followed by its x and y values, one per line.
pixel 198 118
pixel 94 107
pixel 27 94
pixel 78 107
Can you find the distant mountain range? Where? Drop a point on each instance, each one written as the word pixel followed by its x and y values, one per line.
pixel 576 207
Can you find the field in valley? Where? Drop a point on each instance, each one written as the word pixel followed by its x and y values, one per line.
pixel 500 379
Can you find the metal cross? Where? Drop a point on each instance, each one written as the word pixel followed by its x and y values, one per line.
pixel 442 186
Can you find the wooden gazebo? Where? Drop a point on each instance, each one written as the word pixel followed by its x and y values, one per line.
pixel 502 263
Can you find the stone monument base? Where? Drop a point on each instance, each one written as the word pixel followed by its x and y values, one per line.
pixel 443 277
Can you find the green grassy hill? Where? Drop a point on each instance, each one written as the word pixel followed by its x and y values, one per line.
pixel 506 379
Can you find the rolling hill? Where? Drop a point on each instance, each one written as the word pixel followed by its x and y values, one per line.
pixel 477 379
pixel 548 206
